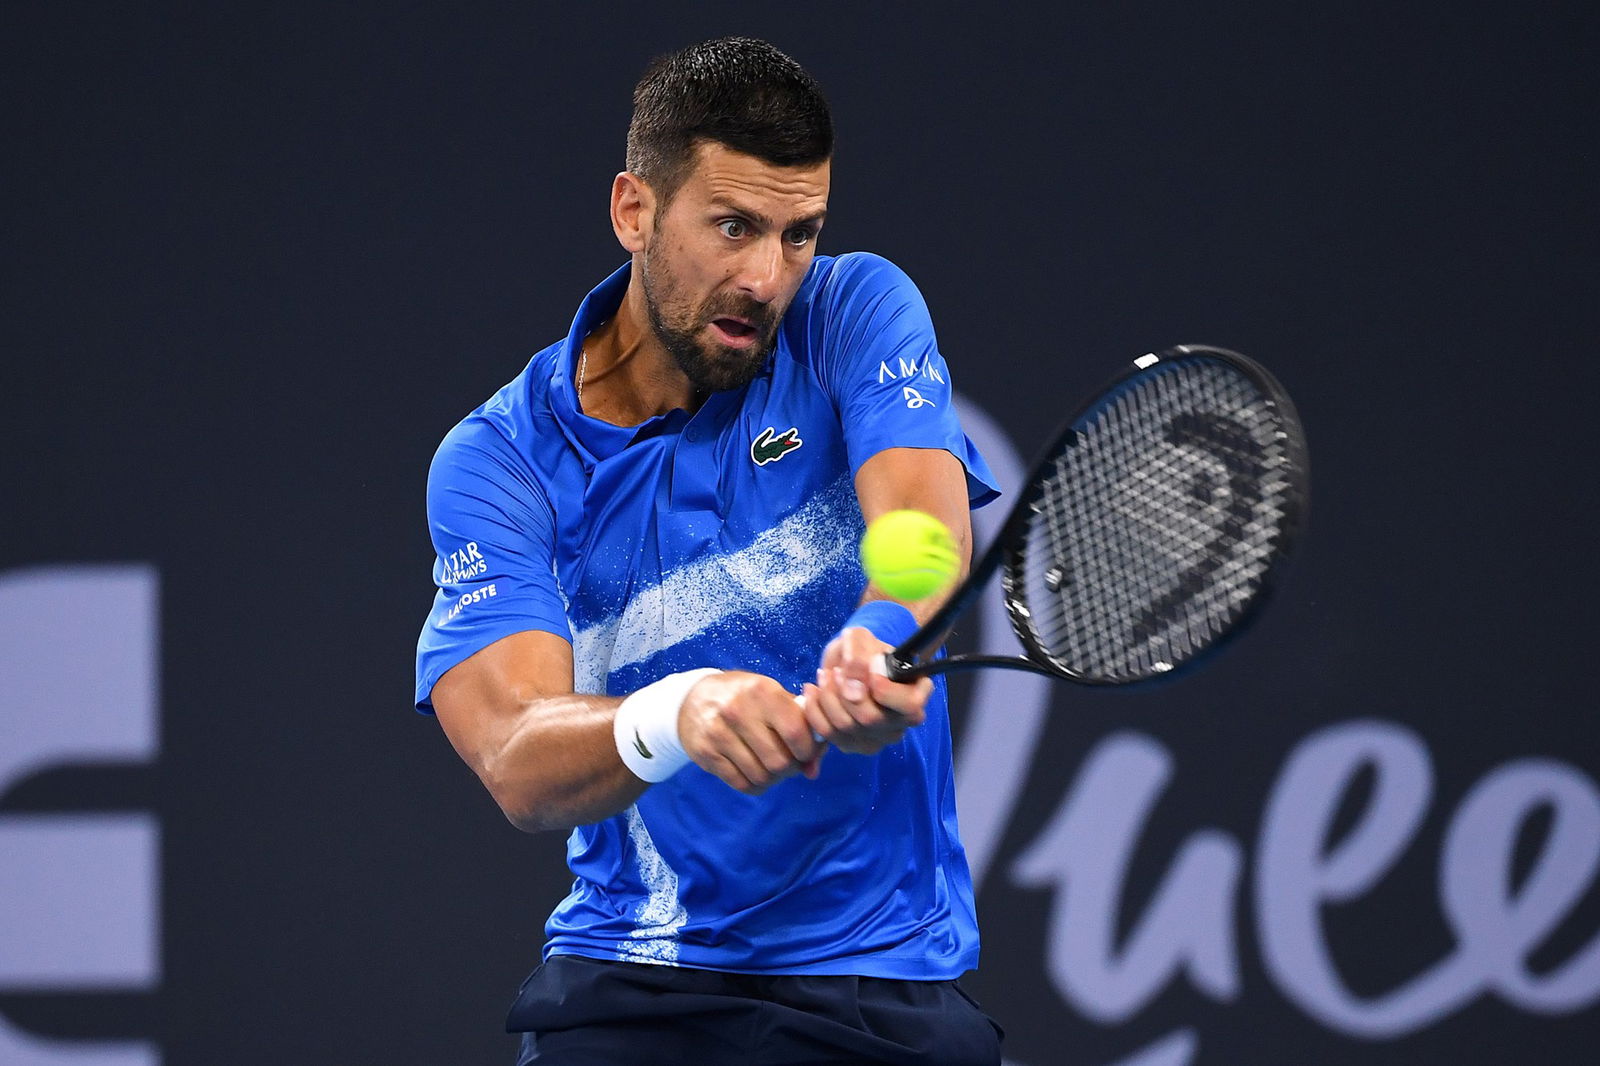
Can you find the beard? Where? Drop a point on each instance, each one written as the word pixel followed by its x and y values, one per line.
pixel 679 326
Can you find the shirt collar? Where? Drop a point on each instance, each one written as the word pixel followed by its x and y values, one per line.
pixel 594 438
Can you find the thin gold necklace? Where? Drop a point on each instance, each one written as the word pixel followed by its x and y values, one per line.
pixel 583 364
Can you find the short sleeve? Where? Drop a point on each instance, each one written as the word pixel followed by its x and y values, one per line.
pixel 885 372
pixel 493 532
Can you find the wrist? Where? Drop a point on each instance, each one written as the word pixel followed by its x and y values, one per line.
pixel 887 620
pixel 645 727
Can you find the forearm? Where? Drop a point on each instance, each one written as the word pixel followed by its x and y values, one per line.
pixel 853 706
pixel 553 759
pixel 930 481
pixel 557 765
pixel 922 609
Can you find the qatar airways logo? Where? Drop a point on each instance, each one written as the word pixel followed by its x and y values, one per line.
pixel 462 565
pixel 1109 965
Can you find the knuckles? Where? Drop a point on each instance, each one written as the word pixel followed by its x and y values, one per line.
pixel 775 763
pixel 724 710
pixel 724 713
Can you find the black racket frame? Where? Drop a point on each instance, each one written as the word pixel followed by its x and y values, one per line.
pixel 1007 547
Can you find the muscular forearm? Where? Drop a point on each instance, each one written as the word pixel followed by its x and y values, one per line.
pixel 558 767
pixel 545 753
pixel 553 759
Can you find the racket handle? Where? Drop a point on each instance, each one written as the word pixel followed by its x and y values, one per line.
pixel 896 669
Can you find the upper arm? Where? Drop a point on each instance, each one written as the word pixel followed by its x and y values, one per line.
pixel 892 387
pixel 494 535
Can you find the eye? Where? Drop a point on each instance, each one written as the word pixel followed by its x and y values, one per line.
pixel 733 228
pixel 800 236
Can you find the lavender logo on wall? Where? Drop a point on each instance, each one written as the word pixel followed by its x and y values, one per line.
pixel 78 677
pixel 1186 931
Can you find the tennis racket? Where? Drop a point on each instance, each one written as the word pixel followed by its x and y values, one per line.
pixel 1152 528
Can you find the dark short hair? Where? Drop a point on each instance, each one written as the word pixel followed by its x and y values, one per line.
pixel 736 91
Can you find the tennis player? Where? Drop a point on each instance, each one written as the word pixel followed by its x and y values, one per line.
pixel 647 550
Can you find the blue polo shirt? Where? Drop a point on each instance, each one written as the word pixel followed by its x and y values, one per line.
pixel 724 539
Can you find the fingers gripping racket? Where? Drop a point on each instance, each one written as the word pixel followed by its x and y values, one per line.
pixel 1152 527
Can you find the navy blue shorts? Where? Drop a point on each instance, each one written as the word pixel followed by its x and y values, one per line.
pixel 587 1012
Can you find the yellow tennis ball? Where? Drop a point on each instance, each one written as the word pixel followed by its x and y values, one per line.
pixel 909 554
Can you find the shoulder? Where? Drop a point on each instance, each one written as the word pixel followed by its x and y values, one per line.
pixel 856 307
pixel 511 414
pixel 856 280
pixel 496 441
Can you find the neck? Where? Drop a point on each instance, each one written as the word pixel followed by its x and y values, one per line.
pixel 628 376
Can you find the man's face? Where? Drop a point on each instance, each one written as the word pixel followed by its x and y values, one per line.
pixel 725 258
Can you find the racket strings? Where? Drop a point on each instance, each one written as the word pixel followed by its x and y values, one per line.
pixel 1154 533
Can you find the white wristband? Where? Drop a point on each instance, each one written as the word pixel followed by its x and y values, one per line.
pixel 646 727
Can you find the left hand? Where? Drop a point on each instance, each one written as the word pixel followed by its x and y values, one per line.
pixel 853 707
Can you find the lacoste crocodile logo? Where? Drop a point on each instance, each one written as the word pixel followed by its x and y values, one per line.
pixel 770 447
pixel 638 742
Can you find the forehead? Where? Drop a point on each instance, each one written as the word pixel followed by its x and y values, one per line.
pixel 722 175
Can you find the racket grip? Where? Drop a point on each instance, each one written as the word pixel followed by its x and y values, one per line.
pixel 895 669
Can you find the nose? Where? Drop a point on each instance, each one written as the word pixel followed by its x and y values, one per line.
pixel 761 269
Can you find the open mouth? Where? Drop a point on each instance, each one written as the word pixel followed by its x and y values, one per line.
pixel 734 331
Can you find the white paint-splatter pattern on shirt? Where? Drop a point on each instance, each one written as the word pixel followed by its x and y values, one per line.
pixel 660 915
pixel 805 547
pixel 801 549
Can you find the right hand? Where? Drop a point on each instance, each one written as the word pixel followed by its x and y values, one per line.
pixel 854 706
pixel 748 730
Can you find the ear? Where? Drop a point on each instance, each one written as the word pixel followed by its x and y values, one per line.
pixel 633 211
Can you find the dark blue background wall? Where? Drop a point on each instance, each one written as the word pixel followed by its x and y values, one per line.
pixel 260 257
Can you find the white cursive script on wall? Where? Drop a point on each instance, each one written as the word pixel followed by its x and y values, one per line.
pixel 1084 852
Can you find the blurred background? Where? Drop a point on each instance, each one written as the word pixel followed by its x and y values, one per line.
pixel 260 257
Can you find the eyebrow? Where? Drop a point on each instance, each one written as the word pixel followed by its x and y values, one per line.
pixel 762 220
